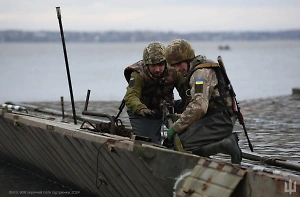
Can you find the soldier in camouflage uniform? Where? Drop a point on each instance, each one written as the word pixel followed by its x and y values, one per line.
pixel 205 126
pixel 150 82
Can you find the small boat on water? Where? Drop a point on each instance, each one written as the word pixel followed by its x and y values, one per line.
pixel 109 164
pixel 224 47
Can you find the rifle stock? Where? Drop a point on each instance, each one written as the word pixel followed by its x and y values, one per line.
pixel 235 104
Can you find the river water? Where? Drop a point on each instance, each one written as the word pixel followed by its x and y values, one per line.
pixel 34 72
pixel 16 181
pixel 37 71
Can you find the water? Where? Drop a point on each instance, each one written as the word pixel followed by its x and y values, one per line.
pixel 37 72
pixel 16 181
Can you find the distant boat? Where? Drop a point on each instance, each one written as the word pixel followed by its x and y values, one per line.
pixel 224 47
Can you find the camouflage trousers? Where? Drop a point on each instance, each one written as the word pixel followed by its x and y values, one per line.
pixel 207 130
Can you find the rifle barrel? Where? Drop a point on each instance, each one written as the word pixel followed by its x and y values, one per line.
pixel 248 140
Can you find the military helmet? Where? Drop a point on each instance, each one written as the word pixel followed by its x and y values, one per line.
pixel 179 50
pixel 154 53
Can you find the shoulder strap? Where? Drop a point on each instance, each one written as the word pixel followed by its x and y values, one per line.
pixel 203 65
pixel 207 65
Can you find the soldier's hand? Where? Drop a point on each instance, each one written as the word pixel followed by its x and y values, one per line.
pixel 174 117
pixel 146 112
pixel 177 115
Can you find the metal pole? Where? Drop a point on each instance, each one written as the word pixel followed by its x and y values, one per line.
pixel 271 161
pixel 62 107
pixel 66 61
pixel 87 100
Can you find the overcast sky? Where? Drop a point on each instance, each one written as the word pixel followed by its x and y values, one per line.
pixel 155 15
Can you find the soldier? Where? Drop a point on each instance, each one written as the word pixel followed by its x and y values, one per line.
pixel 205 127
pixel 150 82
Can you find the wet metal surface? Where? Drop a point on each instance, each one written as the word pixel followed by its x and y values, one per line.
pixel 273 124
pixel 210 178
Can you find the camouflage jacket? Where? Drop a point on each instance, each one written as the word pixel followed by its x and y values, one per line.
pixel 207 94
pixel 145 91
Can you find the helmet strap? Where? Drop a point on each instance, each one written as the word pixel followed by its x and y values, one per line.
pixel 188 62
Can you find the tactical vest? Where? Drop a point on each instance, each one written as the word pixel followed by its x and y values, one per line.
pixel 217 103
pixel 156 89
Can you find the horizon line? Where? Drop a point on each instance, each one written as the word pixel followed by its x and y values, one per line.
pixel 169 31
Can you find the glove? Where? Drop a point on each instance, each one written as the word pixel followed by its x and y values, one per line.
pixel 171 134
pixel 146 112
pixel 174 117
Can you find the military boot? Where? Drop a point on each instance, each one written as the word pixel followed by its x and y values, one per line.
pixel 228 146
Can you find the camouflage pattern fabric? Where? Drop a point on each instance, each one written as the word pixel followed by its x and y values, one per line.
pixel 147 91
pixel 154 53
pixel 138 67
pixel 199 124
pixel 179 50
pixel 209 99
pixel 198 105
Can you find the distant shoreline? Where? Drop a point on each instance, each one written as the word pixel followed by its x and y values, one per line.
pixel 141 36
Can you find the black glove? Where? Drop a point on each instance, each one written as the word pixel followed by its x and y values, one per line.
pixel 146 112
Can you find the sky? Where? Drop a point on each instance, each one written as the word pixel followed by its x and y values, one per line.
pixel 153 15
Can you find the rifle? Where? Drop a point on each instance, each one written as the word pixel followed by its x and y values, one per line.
pixel 235 104
pixel 121 107
pixel 167 119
